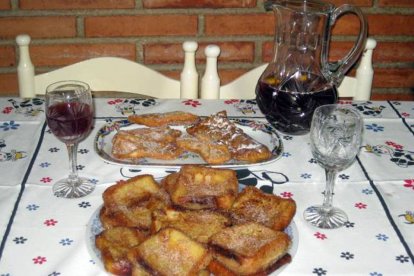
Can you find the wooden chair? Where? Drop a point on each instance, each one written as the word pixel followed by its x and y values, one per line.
pixel 102 74
pixel 357 88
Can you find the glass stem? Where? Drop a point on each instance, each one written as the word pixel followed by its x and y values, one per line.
pixel 330 182
pixel 72 150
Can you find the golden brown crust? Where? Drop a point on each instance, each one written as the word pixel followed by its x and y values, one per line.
pixel 218 129
pixel 114 245
pixel 248 248
pixel 199 187
pixel 217 269
pixel 164 119
pixel 199 225
pixel 158 143
pixel 253 205
pixel 215 138
pixel 137 217
pixel 245 148
pixel 182 240
pixel 211 152
pixel 131 202
pixel 170 252
pixel 132 191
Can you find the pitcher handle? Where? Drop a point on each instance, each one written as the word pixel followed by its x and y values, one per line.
pixel 338 69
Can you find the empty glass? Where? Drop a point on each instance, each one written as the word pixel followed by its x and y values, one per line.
pixel 335 135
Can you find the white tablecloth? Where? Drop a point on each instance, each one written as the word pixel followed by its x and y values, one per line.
pixel 46 235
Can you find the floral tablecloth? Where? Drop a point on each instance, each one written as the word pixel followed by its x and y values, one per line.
pixel 46 235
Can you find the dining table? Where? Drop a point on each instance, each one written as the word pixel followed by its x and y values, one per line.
pixel 43 234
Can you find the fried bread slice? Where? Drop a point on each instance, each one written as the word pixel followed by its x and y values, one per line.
pixel 170 252
pixel 253 205
pixel 217 128
pixel 114 245
pixel 164 119
pixel 158 143
pixel 200 187
pixel 168 183
pixel 245 148
pixel 130 203
pixel 199 225
pixel 247 249
pixel 132 191
pixel 211 152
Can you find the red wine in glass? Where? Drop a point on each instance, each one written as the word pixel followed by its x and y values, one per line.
pixel 69 115
pixel 69 122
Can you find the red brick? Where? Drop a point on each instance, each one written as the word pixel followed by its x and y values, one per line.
pixel 388 96
pixel 393 77
pixel 228 75
pixel 174 53
pixel 8 84
pixel 387 24
pixel 378 24
pixel 7 56
pixel 267 51
pixel 240 24
pixel 339 49
pixel 172 74
pixel 141 25
pixel 199 3
pixel 64 54
pixel 347 24
pixel 38 27
pixel 5 5
pixel 396 3
pixel 75 4
pixel 384 52
pixel 358 3
pixel 394 52
pixel 264 24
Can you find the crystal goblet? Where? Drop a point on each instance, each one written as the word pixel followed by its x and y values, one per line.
pixel 335 136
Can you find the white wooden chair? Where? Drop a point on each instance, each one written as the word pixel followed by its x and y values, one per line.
pixel 102 74
pixel 357 88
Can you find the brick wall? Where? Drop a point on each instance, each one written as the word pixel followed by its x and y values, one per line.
pixel 152 31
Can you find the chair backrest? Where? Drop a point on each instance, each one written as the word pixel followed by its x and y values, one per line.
pixel 357 88
pixel 102 74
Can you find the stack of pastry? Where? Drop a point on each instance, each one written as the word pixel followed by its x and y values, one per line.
pixel 195 222
pixel 215 138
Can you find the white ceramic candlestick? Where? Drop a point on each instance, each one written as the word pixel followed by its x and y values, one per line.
pixel 25 68
pixel 210 84
pixel 189 75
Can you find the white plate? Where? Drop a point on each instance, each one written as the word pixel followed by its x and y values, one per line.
pixel 260 131
pixel 94 227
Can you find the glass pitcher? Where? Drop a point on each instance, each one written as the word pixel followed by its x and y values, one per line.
pixel 300 77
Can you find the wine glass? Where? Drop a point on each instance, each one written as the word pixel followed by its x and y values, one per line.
pixel 336 134
pixel 69 115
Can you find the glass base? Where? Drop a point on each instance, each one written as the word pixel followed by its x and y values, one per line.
pixel 67 188
pixel 326 218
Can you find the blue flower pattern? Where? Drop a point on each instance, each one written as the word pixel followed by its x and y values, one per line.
pixel 345 255
pixel 374 127
pixel 6 126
